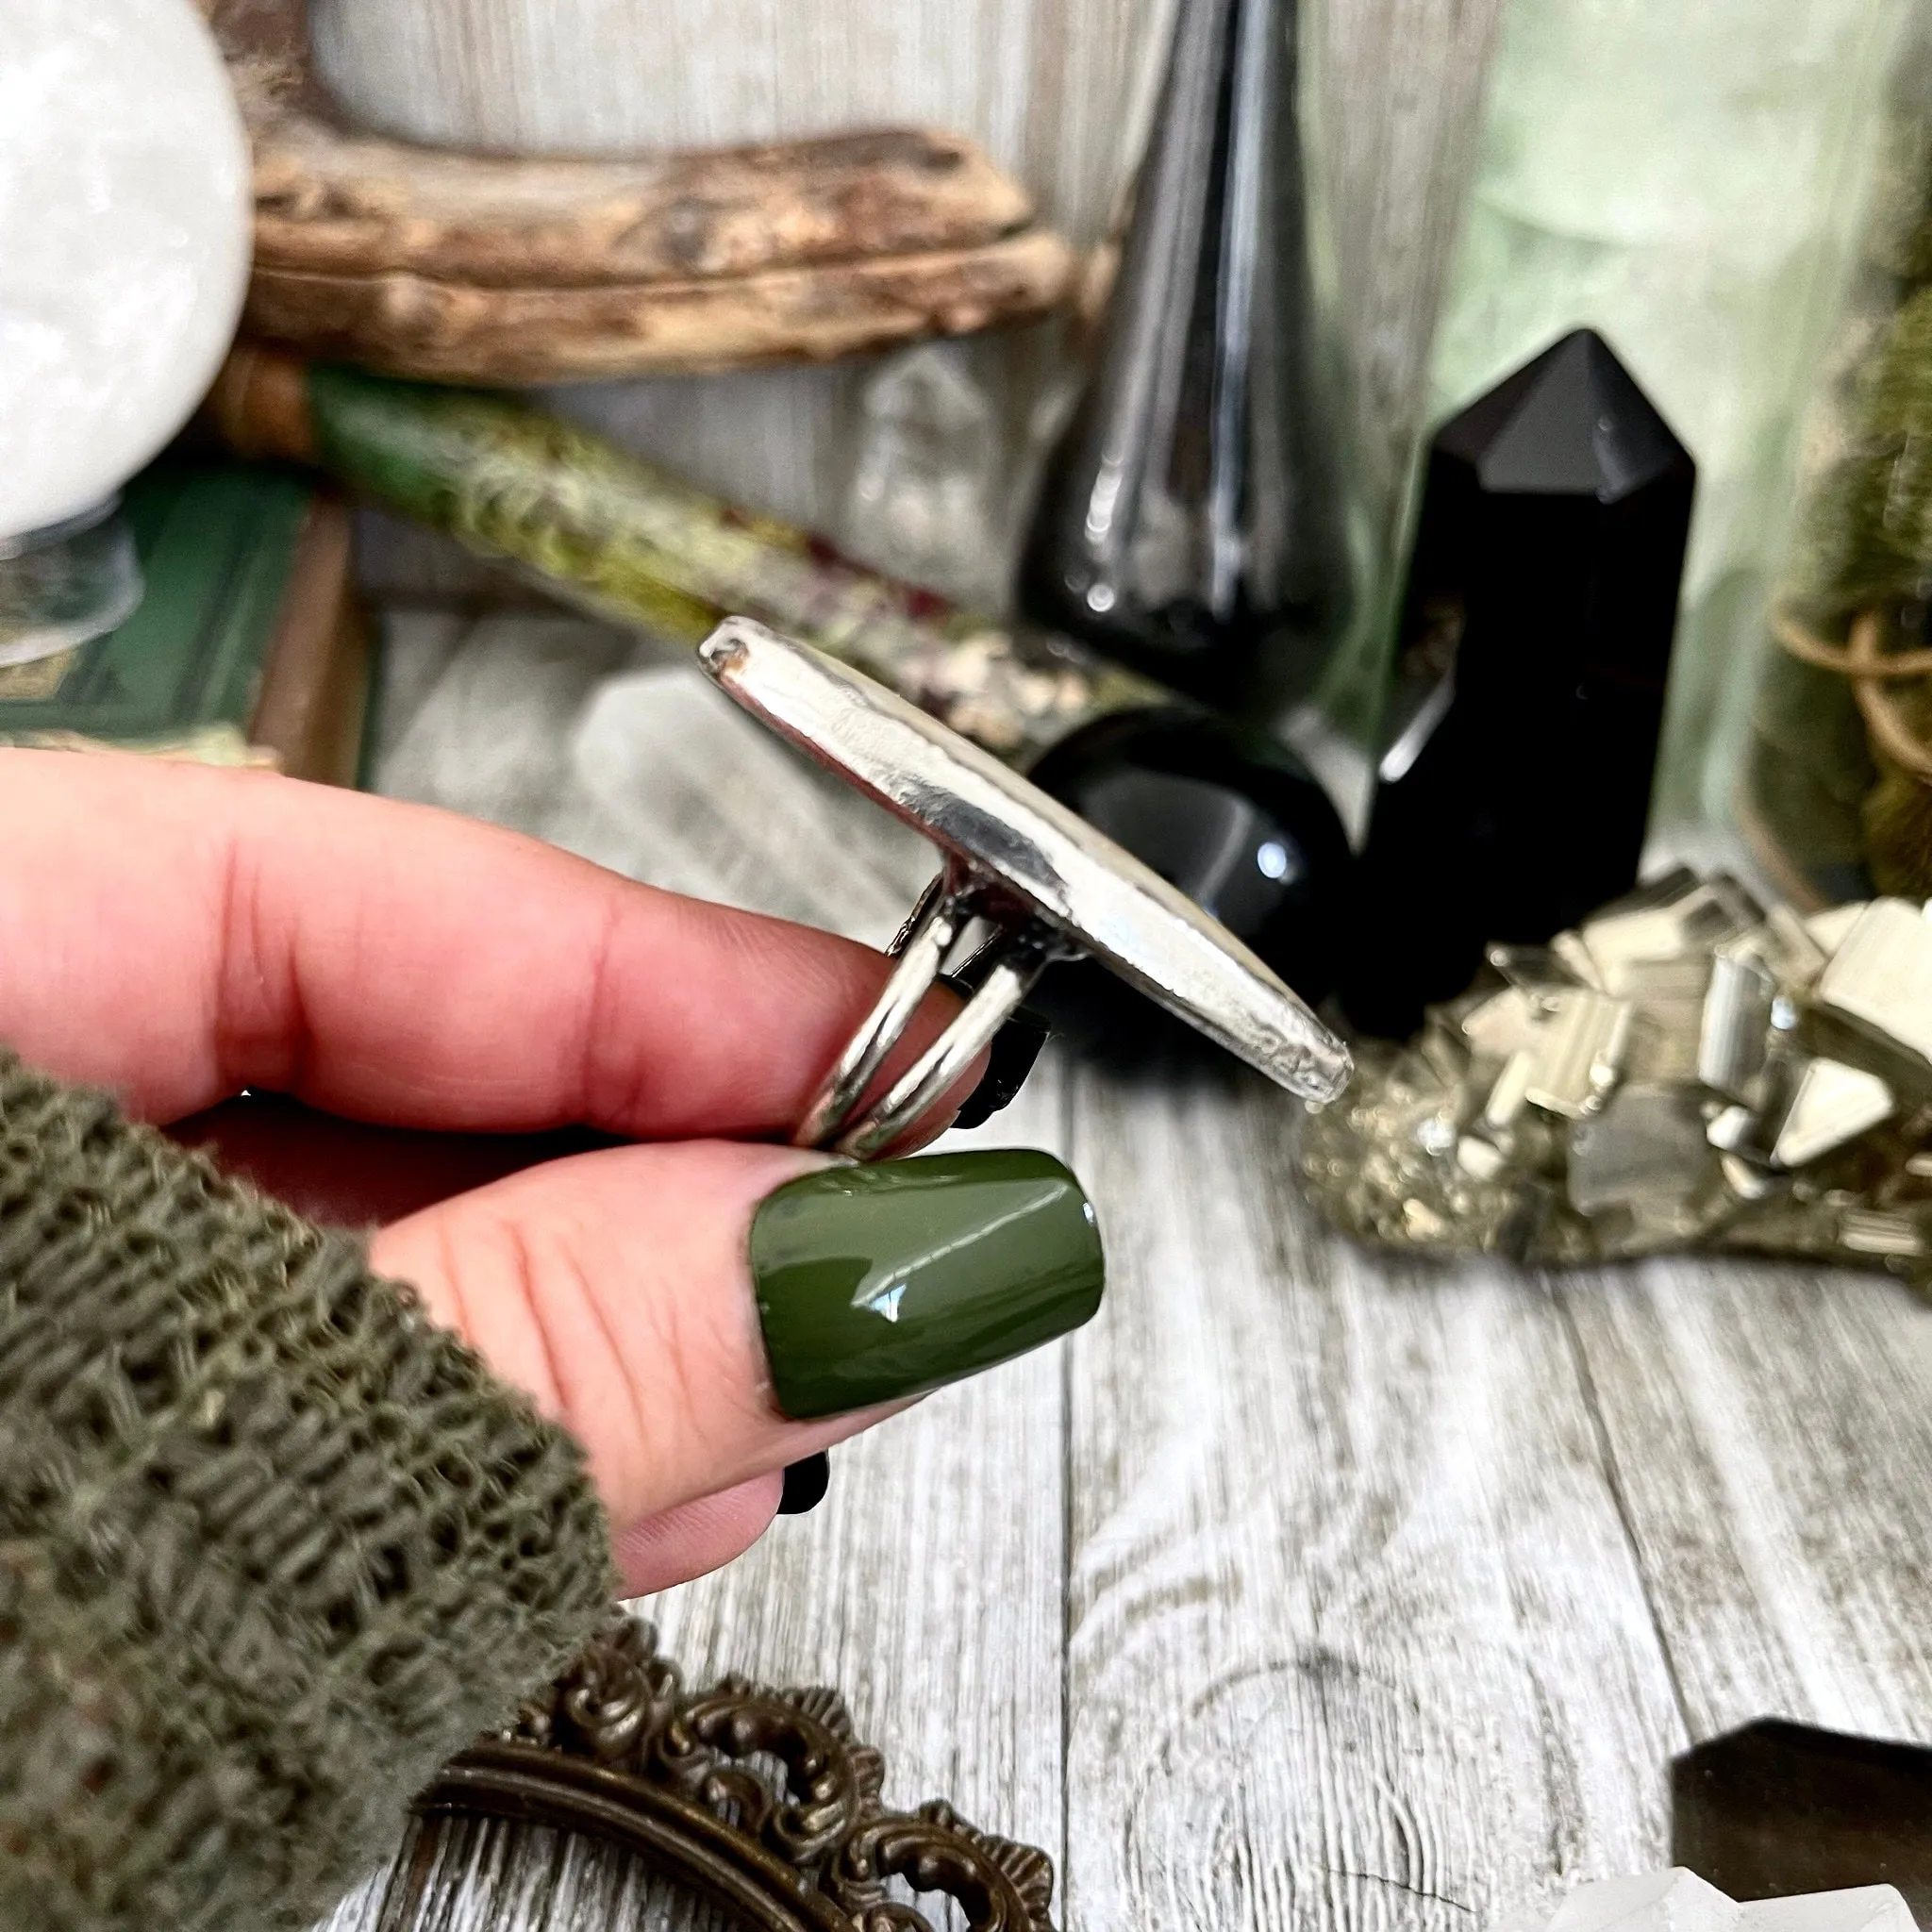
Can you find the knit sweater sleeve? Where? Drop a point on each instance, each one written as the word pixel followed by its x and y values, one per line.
pixel 271 1545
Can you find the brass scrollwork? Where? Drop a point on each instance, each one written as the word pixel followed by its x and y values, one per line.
pixel 764 1800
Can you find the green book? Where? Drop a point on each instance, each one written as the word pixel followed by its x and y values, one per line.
pixel 246 647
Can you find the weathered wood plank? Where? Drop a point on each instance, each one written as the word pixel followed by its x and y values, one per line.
pixel 483 1875
pixel 1396 112
pixel 1357 1639
pixel 928 1586
pixel 1771 1430
pixel 1046 87
pixel 330 203
pixel 461 267
pixel 622 753
pixel 480 722
pixel 1321 1590
pixel 618 77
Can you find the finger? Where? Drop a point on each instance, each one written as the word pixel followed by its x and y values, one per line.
pixel 350 1173
pixel 192 932
pixel 614 1290
pixel 677 1544
pixel 672 1305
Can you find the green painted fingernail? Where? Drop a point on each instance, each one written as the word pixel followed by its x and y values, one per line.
pixel 876 1283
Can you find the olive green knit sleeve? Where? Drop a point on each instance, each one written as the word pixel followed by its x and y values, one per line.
pixel 271 1545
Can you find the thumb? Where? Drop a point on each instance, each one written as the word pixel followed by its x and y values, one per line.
pixel 701 1314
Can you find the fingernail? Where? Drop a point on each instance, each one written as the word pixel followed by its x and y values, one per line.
pixel 877 1283
pixel 805 1483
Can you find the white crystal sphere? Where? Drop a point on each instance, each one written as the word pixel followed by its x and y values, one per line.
pixel 124 223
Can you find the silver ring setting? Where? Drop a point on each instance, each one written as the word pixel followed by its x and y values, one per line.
pixel 1046 883
pixel 1007 968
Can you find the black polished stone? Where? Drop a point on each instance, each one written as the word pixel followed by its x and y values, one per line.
pixel 1777 1808
pixel 1534 647
pixel 1229 816
pixel 1190 522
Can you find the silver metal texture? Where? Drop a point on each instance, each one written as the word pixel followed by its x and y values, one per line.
pixel 932 1075
pixel 1026 864
pixel 921 950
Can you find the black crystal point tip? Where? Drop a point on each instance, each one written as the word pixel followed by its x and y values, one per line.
pixel 1234 820
pixel 1778 1809
pixel 1533 648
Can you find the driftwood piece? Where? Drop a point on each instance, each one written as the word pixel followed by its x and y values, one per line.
pixel 409 325
pixel 471 267
pixel 345 204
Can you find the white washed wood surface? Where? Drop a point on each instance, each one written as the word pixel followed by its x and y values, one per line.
pixel 1304 1588
pixel 1394 118
pixel 1049 86
pixel 1057 90
pixel 1358 1640
pixel 1773 1434
pixel 1042 85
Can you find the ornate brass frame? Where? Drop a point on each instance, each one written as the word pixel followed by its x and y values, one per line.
pixel 760 1800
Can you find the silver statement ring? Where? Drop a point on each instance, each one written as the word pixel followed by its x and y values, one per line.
pixel 1048 885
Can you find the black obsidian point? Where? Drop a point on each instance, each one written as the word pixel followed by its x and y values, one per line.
pixel 1534 643
pixel 1570 424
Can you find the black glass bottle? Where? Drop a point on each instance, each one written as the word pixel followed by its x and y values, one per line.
pixel 1190 521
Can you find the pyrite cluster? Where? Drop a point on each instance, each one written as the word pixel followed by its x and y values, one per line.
pixel 1687 1068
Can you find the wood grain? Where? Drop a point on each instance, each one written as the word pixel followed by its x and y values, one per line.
pixel 1307 1588
pixel 1772 1428
pixel 1054 92
pixel 409 325
pixel 929 1585
pixel 1355 1636
pixel 497 268
pixel 1395 105
pixel 481 1875
pixel 326 204
pixel 621 76
pixel 1057 91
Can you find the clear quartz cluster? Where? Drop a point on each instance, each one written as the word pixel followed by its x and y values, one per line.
pixel 1679 1901
pixel 1687 1068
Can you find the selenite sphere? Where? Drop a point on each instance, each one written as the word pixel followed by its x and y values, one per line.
pixel 124 223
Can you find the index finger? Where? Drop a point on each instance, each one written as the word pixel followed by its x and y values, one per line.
pixel 176 933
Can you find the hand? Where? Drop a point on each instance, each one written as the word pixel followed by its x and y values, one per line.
pixel 176 934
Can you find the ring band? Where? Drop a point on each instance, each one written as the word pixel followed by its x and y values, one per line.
pixel 921 951
pixel 1017 956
